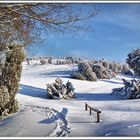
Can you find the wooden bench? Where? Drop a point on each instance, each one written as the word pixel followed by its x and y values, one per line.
pixel 93 109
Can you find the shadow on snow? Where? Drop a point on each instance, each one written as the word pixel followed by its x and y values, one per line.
pixel 96 96
pixel 58 73
pixel 112 82
pixel 42 93
pixel 33 91
pixel 58 115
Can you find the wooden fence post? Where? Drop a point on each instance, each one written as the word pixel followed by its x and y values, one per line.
pixel 85 107
pixel 90 111
pixel 98 117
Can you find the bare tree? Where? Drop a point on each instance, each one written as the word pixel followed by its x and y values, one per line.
pixel 24 22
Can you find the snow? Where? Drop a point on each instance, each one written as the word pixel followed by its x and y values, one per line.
pixel 40 116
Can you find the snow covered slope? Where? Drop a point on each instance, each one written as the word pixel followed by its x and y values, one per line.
pixel 40 116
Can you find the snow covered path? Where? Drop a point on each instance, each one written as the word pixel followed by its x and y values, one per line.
pixel 26 123
pixel 118 118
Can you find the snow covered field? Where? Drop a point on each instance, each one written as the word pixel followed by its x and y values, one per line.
pixel 39 116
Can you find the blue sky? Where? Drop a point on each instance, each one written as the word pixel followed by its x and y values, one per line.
pixel 116 33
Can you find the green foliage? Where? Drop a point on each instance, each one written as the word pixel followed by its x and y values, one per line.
pixel 9 79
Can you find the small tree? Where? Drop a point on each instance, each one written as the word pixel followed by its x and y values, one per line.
pixel 58 90
pixel 9 79
pixel 133 60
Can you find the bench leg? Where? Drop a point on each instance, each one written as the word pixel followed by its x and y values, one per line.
pixel 90 111
pixel 85 107
pixel 98 117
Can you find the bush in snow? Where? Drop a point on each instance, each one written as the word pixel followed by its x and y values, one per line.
pixel 100 71
pixel 131 89
pixel 78 75
pixel 125 69
pixel 13 107
pixel 61 62
pixel 129 72
pixel 105 64
pixel 84 72
pixel 115 67
pixel 4 99
pixel 50 60
pixel 58 90
pixel 9 79
pixel 133 60
pixel 42 61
